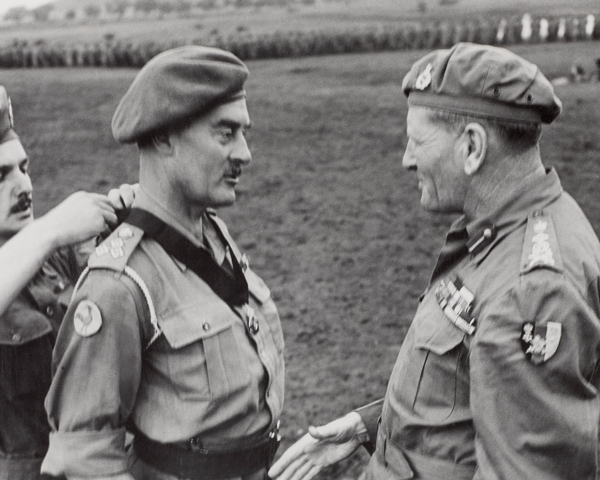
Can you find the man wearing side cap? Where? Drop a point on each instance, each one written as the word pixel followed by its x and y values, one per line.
pixel 498 375
pixel 189 337
pixel 40 261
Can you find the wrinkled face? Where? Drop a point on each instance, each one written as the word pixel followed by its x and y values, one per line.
pixel 15 189
pixel 432 152
pixel 209 156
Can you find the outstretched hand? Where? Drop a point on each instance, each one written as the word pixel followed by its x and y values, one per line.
pixel 319 448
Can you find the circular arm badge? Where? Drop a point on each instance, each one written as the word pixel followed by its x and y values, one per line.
pixel 87 318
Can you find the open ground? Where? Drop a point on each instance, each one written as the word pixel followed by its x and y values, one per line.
pixel 325 211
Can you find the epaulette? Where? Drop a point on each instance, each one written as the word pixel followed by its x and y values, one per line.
pixel 114 252
pixel 540 248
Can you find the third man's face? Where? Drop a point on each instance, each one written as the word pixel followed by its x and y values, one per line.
pixel 15 189
pixel 210 154
pixel 432 152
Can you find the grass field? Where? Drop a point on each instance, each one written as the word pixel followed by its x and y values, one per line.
pixel 325 212
pixel 341 15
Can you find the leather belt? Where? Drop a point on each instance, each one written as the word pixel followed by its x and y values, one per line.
pixel 196 463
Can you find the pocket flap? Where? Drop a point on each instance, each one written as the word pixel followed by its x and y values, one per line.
pixel 192 322
pixel 433 330
pixel 257 287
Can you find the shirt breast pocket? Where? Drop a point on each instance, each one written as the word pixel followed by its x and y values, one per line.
pixel 437 371
pixel 201 354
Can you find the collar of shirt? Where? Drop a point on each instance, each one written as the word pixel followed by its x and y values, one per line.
pixel 534 193
pixel 146 201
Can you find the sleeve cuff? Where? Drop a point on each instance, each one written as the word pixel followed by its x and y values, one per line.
pixel 86 454
pixel 370 416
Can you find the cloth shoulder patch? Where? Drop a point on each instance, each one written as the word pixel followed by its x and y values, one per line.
pixel 114 252
pixel 540 248
pixel 87 318
pixel 540 342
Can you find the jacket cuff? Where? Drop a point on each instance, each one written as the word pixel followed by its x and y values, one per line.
pixel 370 415
pixel 86 454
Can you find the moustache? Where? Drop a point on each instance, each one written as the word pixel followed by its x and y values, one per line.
pixel 23 203
pixel 235 170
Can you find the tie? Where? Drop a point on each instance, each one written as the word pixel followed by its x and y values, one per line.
pixel 232 289
pixel 453 250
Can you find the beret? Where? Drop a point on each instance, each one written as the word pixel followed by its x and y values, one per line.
pixel 483 81
pixel 6 118
pixel 177 85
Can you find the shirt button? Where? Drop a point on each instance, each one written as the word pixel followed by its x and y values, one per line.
pixel 50 310
pixel 16 337
pixel 206 327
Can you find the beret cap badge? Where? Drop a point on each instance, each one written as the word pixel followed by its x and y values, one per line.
pixel 424 78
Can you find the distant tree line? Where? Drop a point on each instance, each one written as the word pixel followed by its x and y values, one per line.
pixel 504 31
pixel 118 8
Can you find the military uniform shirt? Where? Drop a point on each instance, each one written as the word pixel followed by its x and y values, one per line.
pixel 517 397
pixel 204 376
pixel 27 335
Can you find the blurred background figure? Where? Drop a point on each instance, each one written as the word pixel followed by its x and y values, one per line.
pixel 41 260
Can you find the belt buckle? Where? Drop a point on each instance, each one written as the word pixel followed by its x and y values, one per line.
pixel 196 446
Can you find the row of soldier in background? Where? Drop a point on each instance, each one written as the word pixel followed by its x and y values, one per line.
pixel 247 46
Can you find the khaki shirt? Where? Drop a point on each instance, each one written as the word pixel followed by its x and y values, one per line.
pixel 205 375
pixel 497 403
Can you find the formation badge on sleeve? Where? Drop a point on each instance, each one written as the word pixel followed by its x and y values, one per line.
pixel 87 318
pixel 540 342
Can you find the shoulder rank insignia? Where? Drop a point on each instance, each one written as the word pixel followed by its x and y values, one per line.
pixel 541 246
pixel 87 318
pixel 424 78
pixel 114 252
pixel 540 342
pixel 456 302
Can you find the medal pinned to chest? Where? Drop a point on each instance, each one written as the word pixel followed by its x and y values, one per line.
pixel 540 342
pixel 456 301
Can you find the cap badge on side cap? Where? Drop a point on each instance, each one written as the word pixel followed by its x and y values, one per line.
pixel 424 78
pixel 10 114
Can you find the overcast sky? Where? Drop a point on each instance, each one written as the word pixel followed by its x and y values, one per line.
pixel 7 4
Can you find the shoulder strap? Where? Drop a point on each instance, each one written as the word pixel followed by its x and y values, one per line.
pixel 114 252
pixel 540 248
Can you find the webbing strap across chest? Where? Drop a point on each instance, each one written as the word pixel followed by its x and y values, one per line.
pixel 232 289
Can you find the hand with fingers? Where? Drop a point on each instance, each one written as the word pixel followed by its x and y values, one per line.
pixel 122 198
pixel 321 447
pixel 80 217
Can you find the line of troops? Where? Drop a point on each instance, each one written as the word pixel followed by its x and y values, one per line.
pixel 248 46
pixel 137 342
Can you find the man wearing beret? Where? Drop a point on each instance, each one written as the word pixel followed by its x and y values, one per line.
pixel 41 260
pixel 171 335
pixel 498 376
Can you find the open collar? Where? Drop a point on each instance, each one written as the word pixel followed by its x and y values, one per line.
pixel 534 193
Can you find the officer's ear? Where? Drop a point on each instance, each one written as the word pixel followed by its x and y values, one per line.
pixel 162 143
pixel 475 147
